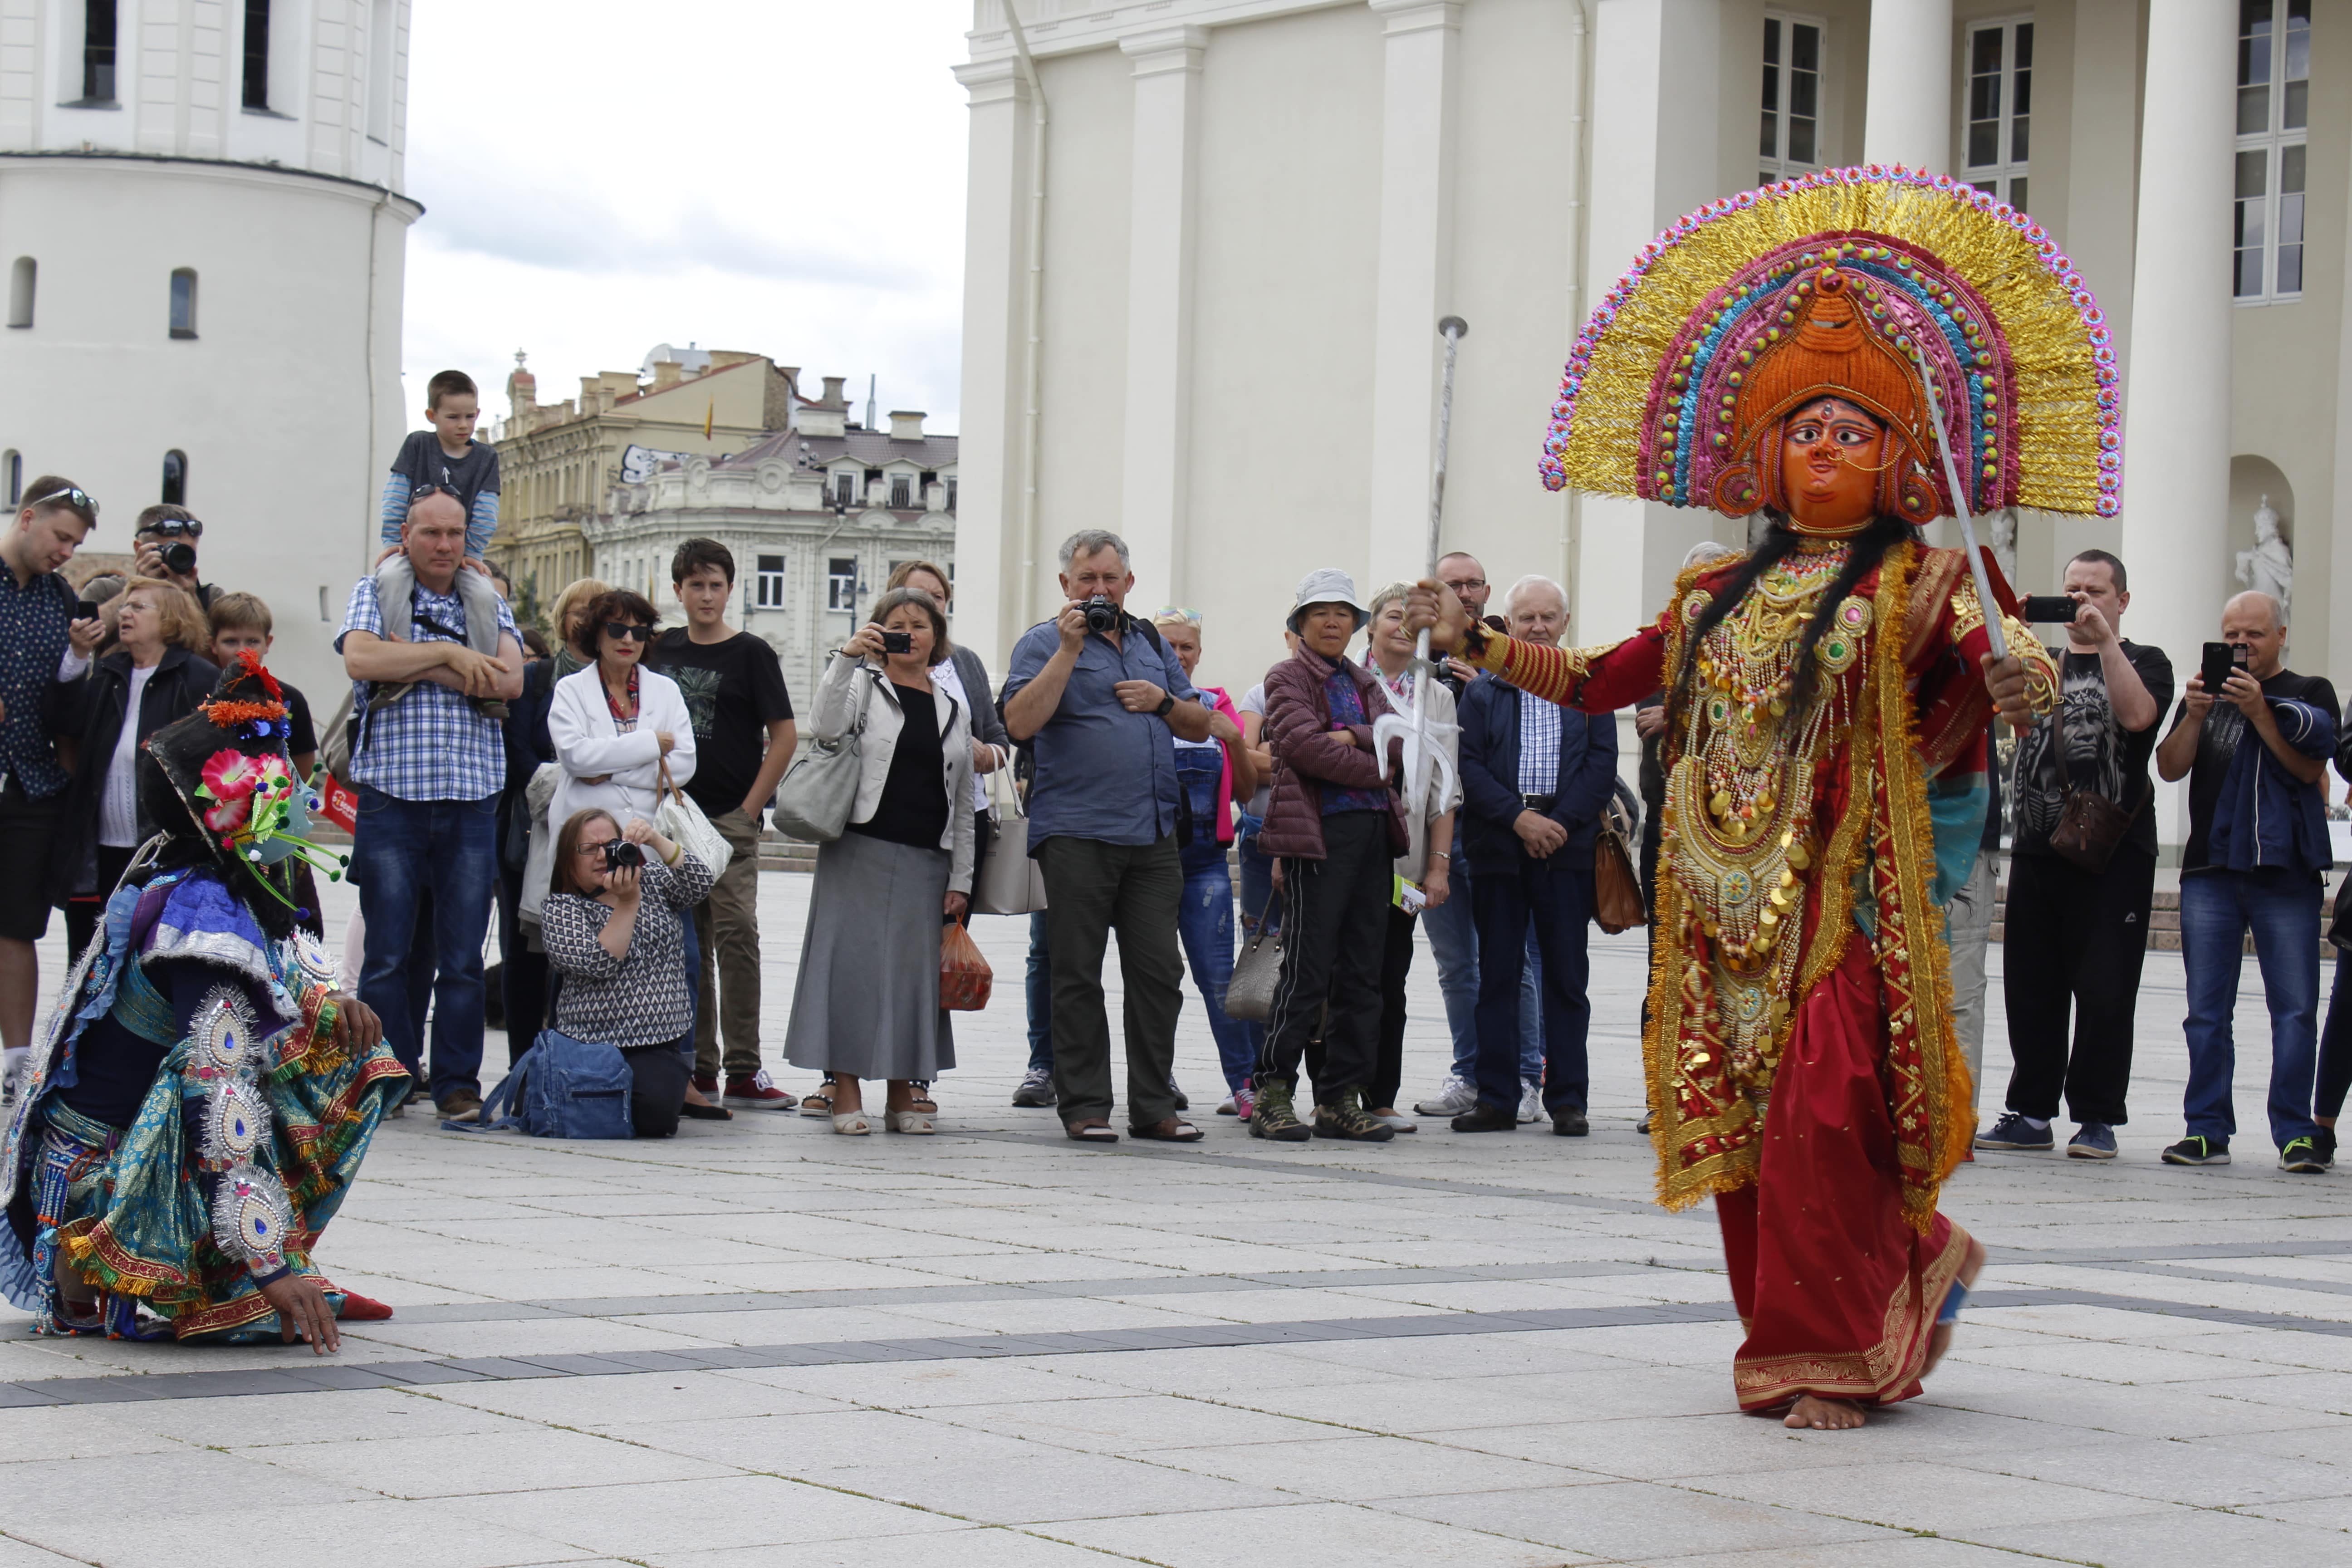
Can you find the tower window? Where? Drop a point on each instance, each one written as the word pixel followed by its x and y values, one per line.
pixel 183 302
pixel 98 51
pixel 22 280
pixel 256 54
pixel 176 478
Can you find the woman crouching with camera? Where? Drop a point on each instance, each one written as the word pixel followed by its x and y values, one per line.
pixel 614 930
pixel 868 1004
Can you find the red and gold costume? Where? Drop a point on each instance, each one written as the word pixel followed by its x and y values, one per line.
pixel 1802 1063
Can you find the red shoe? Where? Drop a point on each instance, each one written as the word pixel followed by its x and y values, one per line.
pixel 705 1083
pixel 758 1091
pixel 359 1309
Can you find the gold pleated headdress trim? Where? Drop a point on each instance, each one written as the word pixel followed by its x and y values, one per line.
pixel 2011 339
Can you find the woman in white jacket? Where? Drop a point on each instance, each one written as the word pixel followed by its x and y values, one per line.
pixel 614 723
pixel 868 1003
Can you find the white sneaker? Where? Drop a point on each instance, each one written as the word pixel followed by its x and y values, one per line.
pixel 1398 1123
pixel 1530 1101
pixel 1458 1096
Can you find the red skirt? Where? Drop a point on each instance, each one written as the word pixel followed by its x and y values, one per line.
pixel 1836 1290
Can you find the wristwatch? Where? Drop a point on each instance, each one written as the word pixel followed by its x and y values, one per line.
pixel 1167 706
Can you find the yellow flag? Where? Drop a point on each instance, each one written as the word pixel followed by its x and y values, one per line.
pixel 709 411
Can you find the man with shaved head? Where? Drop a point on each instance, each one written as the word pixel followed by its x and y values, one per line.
pixel 2253 753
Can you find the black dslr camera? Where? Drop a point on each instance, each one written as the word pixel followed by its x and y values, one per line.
pixel 179 557
pixel 1102 615
pixel 620 852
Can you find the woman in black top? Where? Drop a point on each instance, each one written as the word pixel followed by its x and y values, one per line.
pixel 868 1004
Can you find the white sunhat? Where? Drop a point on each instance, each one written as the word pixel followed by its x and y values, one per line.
pixel 1328 585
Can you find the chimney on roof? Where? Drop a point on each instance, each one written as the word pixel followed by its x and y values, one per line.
pixel 905 425
pixel 665 373
pixel 832 398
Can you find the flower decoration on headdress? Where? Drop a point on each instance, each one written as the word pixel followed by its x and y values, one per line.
pixel 1884 286
pixel 262 718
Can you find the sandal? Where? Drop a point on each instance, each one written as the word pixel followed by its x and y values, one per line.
pixel 1090 1132
pixel 1169 1131
pixel 908 1121
pixel 922 1099
pixel 821 1102
pixel 852 1124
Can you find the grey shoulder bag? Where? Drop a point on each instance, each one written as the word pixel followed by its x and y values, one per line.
pixel 820 789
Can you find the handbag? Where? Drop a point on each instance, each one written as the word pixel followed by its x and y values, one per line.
pixel 1007 881
pixel 965 979
pixel 680 820
pixel 1617 901
pixel 2090 826
pixel 1257 973
pixel 820 789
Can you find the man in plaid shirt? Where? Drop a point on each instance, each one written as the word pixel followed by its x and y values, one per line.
pixel 428 765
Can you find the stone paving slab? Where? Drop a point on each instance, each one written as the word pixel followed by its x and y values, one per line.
pixel 761 1344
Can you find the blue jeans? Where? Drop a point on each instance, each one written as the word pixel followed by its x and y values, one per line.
pixel 1453 942
pixel 406 852
pixel 1039 990
pixel 2217 909
pixel 1552 904
pixel 1205 922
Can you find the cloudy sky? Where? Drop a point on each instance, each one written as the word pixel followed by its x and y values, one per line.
pixel 781 176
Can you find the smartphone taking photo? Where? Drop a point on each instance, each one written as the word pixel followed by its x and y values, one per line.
pixel 2050 610
pixel 2218 660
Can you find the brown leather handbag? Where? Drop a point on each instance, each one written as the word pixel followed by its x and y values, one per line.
pixel 2090 826
pixel 1617 901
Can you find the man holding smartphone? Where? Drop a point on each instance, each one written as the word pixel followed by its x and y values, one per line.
pixel 2253 753
pixel 2076 929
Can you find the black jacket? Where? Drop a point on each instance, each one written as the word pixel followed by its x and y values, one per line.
pixel 1490 778
pixel 90 711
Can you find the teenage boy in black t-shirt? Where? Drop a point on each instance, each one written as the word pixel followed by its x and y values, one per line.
pixel 2075 936
pixel 743 738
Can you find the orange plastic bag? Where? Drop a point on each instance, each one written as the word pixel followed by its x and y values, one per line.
pixel 965 979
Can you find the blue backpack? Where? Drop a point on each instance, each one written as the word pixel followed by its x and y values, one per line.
pixel 562 1087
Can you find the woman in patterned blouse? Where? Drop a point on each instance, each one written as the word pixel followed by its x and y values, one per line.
pixel 617 936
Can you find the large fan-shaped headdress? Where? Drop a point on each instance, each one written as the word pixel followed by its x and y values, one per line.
pixel 1870 284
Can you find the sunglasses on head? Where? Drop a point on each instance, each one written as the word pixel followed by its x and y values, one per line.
pixel 621 631
pixel 72 495
pixel 174 527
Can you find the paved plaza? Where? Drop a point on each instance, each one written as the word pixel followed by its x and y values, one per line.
pixel 762 1344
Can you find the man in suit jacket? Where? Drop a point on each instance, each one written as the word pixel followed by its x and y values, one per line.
pixel 1535 779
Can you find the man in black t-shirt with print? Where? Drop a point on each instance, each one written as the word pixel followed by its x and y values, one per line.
pixel 2257 857
pixel 743 738
pixel 2075 936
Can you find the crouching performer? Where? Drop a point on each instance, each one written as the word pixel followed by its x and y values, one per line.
pixel 203 1094
pixel 1793 351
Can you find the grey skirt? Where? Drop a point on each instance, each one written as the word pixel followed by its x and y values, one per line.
pixel 867 1002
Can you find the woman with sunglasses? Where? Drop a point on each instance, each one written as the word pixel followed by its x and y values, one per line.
pixel 615 725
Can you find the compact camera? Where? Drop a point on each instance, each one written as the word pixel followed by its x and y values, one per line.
pixel 898 642
pixel 621 852
pixel 1102 615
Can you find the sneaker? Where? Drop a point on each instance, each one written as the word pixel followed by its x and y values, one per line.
pixel 1036 1088
pixel 1530 1101
pixel 2014 1131
pixel 1483 1118
pixel 1348 1119
pixel 465 1105
pixel 1181 1103
pixel 2092 1140
pixel 2326 1139
pixel 2196 1150
pixel 706 1084
pixel 1569 1122
pixel 1273 1118
pixel 1244 1101
pixel 2302 1156
pixel 1458 1096
pixel 1396 1123
pixel 758 1091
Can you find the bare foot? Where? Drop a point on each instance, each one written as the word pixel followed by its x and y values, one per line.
pixel 1824 1414
pixel 1939 1337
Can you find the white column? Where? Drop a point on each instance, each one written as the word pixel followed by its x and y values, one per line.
pixel 1158 436
pixel 1654 157
pixel 990 548
pixel 1415 277
pixel 2176 539
pixel 1910 107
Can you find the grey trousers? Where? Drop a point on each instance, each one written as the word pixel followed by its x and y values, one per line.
pixel 1968 926
pixel 1093 888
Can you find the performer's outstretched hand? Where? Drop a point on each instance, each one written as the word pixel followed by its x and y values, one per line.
pixel 303 1311
pixel 2005 678
pixel 1432 607
pixel 357 1027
